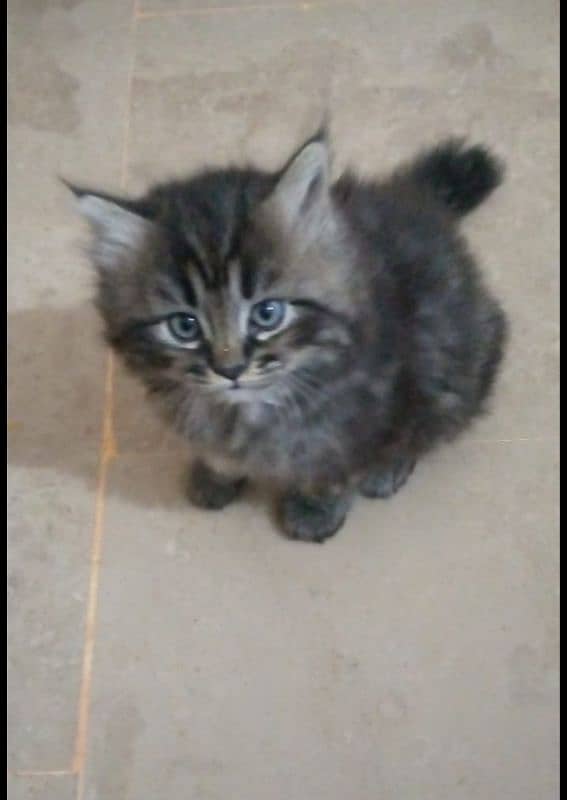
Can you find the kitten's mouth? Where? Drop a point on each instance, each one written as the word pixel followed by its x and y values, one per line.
pixel 251 384
pixel 249 391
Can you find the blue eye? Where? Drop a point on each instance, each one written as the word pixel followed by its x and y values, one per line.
pixel 268 314
pixel 184 327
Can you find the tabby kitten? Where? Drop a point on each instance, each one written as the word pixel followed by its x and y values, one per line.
pixel 319 336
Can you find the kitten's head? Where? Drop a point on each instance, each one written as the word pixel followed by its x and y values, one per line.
pixel 234 286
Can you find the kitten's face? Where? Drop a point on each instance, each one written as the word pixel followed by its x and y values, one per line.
pixel 254 316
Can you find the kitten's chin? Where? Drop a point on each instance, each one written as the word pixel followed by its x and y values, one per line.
pixel 245 395
pixel 254 403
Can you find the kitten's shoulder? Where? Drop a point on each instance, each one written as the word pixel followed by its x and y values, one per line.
pixel 387 207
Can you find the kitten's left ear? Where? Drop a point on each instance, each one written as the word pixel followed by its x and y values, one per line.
pixel 121 227
pixel 303 186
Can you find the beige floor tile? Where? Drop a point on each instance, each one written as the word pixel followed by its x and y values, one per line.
pixel 41 788
pixel 54 411
pixel 431 43
pixel 413 656
pixel 137 425
pixel 49 537
pixel 56 366
pixel 68 81
pixel 426 42
pixel 67 100
pixel 458 45
pixel 55 402
pixel 149 8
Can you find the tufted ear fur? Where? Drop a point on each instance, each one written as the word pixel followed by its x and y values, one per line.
pixel 119 227
pixel 301 194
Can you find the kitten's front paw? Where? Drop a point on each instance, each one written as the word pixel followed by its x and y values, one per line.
pixel 386 481
pixel 208 489
pixel 313 519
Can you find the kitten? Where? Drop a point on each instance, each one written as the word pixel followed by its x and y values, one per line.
pixel 319 336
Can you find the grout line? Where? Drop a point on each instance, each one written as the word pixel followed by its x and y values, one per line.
pixel 301 5
pixel 128 114
pixel 39 773
pixel 108 452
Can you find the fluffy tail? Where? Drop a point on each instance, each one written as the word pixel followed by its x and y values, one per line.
pixel 460 177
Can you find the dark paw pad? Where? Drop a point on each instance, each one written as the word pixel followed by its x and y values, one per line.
pixel 384 483
pixel 209 490
pixel 313 519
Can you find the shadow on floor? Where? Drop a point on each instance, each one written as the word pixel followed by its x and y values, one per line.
pixel 57 363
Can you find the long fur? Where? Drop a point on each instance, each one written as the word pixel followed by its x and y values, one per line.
pixel 395 342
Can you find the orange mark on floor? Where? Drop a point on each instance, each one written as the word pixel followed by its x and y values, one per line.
pixel 108 452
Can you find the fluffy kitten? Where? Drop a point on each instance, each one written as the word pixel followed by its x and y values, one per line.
pixel 317 335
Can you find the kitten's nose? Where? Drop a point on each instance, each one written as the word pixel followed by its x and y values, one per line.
pixel 231 371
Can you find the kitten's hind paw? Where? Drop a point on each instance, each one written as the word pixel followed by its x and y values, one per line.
pixel 383 482
pixel 208 489
pixel 313 519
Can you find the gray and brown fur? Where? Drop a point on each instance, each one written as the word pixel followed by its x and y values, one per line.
pixel 393 342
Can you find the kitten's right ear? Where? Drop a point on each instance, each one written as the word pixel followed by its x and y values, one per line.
pixel 120 227
pixel 302 190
